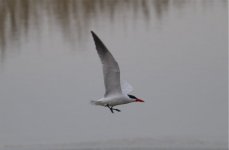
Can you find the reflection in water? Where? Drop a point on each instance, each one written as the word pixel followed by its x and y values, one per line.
pixel 18 17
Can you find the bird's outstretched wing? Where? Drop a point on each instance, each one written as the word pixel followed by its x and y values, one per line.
pixel 111 72
pixel 126 87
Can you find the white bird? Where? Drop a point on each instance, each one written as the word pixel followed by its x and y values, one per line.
pixel 114 94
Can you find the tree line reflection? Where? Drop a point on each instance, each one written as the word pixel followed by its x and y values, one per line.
pixel 17 17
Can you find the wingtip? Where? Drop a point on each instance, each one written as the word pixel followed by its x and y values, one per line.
pixel 98 43
pixel 95 37
pixel 92 32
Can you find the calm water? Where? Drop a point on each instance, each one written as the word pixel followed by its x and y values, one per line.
pixel 173 52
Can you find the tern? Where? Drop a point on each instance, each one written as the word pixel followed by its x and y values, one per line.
pixel 115 93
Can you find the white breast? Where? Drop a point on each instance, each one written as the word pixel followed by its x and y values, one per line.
pixel 114 100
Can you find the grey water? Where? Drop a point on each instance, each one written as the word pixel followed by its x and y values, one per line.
pixel 173 52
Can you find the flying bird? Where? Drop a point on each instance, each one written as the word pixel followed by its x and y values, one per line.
pixel 115 94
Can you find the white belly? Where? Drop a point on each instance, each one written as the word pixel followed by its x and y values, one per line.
pixel 113 101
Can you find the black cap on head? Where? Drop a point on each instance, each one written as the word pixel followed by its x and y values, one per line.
pixel 132 96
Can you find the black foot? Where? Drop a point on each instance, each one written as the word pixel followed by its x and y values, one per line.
pixel 117 110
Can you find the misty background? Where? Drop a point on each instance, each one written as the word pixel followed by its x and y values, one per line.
pixel 173 52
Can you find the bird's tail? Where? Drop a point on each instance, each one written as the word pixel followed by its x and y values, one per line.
pixel 93 102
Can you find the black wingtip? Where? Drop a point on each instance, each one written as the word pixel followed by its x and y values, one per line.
pixel 101 48
pixel 93 33
pixel 96 38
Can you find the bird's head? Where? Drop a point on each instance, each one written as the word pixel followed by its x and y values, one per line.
pixel 134 98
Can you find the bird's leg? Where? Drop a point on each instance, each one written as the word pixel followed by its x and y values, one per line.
pixel 111 108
